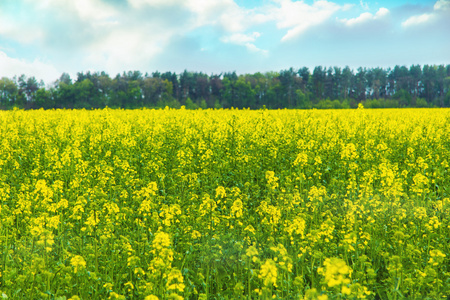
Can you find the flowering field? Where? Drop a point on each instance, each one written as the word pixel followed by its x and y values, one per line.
pixel 225 204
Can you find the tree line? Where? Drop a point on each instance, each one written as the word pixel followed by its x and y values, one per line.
pixel 333 87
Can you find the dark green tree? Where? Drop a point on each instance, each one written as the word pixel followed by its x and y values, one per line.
pixel 318 83
pixel 8 93
pixel 44 99
pixel 346 82
pixel 429 82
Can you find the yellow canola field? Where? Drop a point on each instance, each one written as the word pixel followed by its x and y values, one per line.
pixel 224 204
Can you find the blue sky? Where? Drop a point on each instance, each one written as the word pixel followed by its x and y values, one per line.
pixel 48 37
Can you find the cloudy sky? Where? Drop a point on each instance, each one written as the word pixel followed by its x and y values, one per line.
pixel 47 37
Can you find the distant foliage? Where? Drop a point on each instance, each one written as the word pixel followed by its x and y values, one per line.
pixel 322 88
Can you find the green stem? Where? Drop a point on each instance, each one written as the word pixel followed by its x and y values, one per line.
pixel 248 280
pixel 207 282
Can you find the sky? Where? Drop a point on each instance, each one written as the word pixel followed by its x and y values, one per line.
pixel 48 37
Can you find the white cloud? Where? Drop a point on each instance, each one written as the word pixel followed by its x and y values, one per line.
pixel 45 20
pixel 89 11
pixel 246 40
pixel 138 43
pixel 87 34
pixel 442 5
pixel 130 48
pixel 381 13
pixel 364 5
pixel 13 28
pixel 440 9
pixel 416 20
pixel 224 13
pixel 252 48
pixel 104 35
pixel 240 38
pixel 347 7
pixel 10 67
pixel 155 3
pixel 297 16
pixel 366 17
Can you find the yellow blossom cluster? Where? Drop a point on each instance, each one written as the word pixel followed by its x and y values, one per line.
pixel 224 204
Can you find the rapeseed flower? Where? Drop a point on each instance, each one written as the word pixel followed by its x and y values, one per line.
pixel 269 273
pixel 335 271
pixel 78 263
pixel 120 199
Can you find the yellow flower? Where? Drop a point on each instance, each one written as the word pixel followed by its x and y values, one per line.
pixel 208 206
pixel 236 208
pixel 92 221
pixel 78 263
pixel 195 235
pixel 301 160
pixel 335 271
pixel 349 152
pixel 272 181
pixel 129 285
pixel 345 290
pixel 220 192
pixel 251 251
pixel 296 226
pixel 437 257
pixel 269 273
pixel 114 295
pixel 175 281
pixel 174 296
pixel 313 294
pixel 161 241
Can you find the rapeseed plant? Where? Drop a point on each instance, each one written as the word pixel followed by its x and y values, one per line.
pixel 78 263
pixel 224 204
